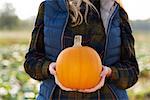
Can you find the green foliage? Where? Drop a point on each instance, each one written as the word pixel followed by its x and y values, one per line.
pixel 141 90
pixel 8 19
pixel 15 84
pixel 8 22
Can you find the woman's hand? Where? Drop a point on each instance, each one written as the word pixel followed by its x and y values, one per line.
pixel 105 73
pixel 52 69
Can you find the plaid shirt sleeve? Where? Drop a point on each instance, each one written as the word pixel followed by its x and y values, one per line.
pixel 125 74
pixel 36 63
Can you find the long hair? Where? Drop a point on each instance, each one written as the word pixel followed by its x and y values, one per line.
pixel 120 3
pixel 74 8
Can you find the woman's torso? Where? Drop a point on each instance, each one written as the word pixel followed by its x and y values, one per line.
pixel 94 35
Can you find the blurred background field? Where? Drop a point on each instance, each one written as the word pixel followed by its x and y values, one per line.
pixel 15 37
pixel 15 84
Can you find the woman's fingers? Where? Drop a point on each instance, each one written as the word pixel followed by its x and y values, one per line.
pixel 104 72
pixel 52 69
pixel 100 84
pixel 53 72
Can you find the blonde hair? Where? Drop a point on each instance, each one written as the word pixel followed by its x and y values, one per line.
pixel 120 3
pixel 74 8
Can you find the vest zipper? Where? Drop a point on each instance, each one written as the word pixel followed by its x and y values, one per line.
pixel 52 92
pixel 112 92
pixel 108 30
pixel 66 4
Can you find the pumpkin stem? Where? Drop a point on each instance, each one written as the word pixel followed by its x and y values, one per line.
pixel 77 40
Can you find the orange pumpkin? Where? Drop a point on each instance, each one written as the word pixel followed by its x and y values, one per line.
pixel 78 67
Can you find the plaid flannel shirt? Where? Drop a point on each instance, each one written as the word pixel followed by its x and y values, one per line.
pixel 124 74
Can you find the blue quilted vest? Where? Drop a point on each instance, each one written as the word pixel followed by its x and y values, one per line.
pixel 113 40
pixel 55 20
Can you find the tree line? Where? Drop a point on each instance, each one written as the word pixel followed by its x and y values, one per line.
pixel 10 21
pixel 141 25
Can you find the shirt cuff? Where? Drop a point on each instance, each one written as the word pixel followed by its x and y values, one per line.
pixel 114 74
pixel 45 69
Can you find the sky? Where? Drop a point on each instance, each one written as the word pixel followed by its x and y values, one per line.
pixel 136 9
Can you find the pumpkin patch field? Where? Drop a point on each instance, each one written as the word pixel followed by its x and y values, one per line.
pixel 15 84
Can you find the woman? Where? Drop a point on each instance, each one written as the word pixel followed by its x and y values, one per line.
pixel 104 26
